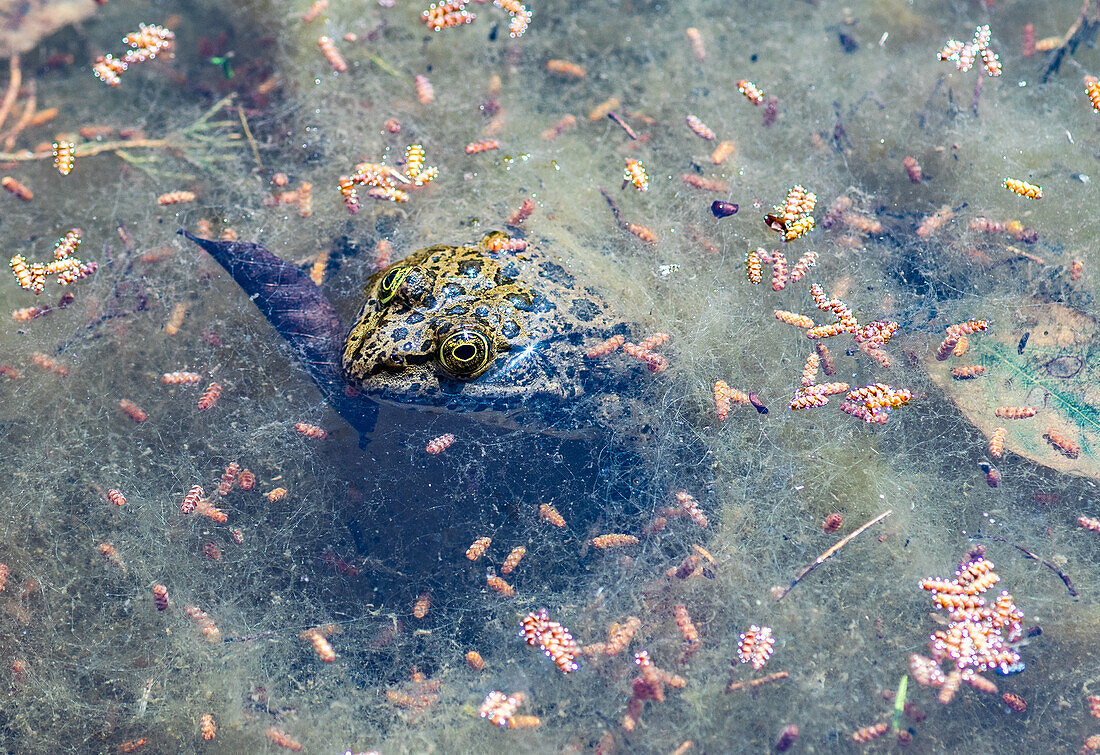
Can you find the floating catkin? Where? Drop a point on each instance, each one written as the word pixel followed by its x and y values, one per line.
pixel 614 540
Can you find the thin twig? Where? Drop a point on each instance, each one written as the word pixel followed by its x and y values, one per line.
pixel 977 92
pixel 13 88
pixel 734 686
pixel 383 65
pixel 248 135
pixel 832 551
pixel 1083 30
pixel 90 148
pixel 1061 574
pixel 176 140
pixel 629 131
pixel 614 208
pixel 25 119
pixel 221 104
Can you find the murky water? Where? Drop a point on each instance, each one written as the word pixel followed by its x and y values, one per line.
pixel 90 664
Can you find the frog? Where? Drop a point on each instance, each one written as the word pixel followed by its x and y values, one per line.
pixel 491 328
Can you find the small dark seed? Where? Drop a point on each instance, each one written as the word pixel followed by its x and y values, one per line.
pixel 723 209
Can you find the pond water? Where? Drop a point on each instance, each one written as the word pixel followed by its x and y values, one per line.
pixel 369 526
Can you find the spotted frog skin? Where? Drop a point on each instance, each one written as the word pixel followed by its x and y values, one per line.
pixel 472 327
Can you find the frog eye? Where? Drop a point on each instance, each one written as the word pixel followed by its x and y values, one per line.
pixel 391 283
pixel 466 352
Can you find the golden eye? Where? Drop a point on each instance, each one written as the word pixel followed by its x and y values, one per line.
pixel 391 283
pixel 467 352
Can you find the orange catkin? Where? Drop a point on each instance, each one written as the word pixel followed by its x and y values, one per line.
pixel 687 629
pixel 1023 188
pixel 207 509
pixel 485 145
pixel 310 431
pixel 175 320
pixel 967 372
pixel 176 197
pixel 229 477
pixel 645 234
pixel 191 500
pixel 867 733
pixel 600 111
pixel 207 727
pixel 210 397
pixel 478 548
pixel 332 55
pixel 475 661
pixel 697 46
pixel 321 646
pixel 565 123
pixel 565 68
pixel 691 507
pixel 314 11
pixel 722 152
pixel 305 201
pixel 440 444
pixel 613 540
pixel 1015 412
pixel 18 189
pixel 793 318
pixel 706 184
pixel 108 552
pixel 752 92
pixel 653 341
pixel 997 442
pixel 700 129
pixel 1062 443
pixel 947 346
pixel 604 348
pixel 913 169
pixel 39 359
pixel 521 214
pixel 550 514
pixel 499 585
pixel 722 400
pixel 1092 89
pixel 425 92
pixel 282 739
pixel 181 378
pixel 513 560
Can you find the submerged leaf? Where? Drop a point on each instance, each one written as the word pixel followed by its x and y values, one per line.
pixel 1050 371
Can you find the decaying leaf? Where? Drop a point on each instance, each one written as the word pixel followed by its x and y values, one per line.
pixel 1053 372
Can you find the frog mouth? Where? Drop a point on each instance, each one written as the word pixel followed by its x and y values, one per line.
pixel 521 376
